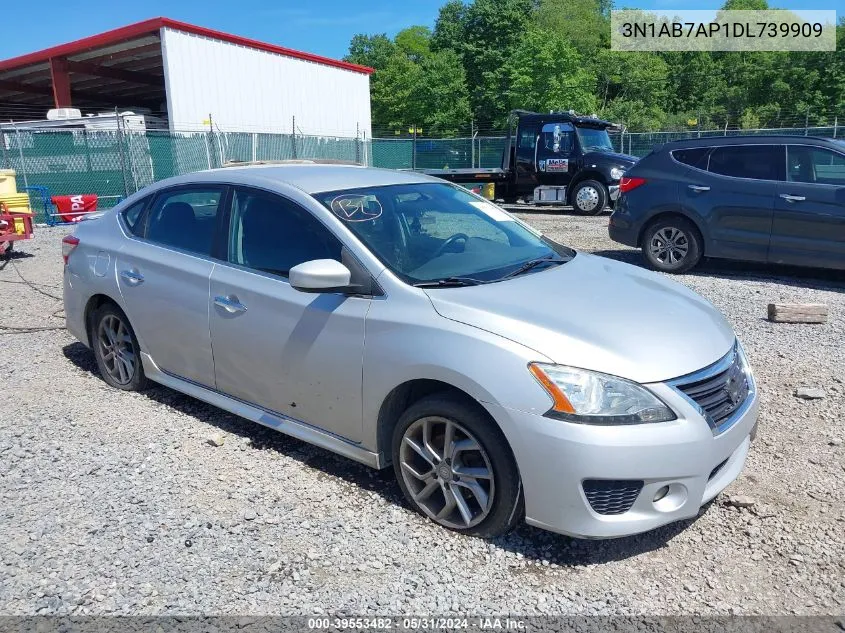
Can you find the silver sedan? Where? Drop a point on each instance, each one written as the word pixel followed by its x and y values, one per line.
pixel 400 320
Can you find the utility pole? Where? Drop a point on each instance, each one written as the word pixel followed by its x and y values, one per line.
pixel 293 135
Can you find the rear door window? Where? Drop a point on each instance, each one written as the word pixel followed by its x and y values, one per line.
pixel 693 156
pixel 185 218
pixel 757 162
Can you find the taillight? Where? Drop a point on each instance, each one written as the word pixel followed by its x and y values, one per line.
pixel 626 183
pixel 69 242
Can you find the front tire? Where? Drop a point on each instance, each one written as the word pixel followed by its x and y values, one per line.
pixel 116 349
pixel 454 466
pixel 589 197
pixel 672 245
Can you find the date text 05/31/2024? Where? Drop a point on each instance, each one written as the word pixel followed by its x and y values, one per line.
pixel 721 29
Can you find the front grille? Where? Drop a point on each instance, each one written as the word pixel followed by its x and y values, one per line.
pixel 719 390
pixel 612 496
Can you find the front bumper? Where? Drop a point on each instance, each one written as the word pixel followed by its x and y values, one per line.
pixel 555 457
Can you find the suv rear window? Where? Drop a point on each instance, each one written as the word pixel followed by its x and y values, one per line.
pixel 759 162
pixel 694 156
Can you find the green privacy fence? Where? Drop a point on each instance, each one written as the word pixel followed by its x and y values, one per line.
pixel 115 163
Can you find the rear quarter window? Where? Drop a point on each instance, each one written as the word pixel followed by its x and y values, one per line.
pixel 693 156
pixel 132 216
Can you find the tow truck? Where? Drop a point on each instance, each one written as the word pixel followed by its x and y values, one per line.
pixel 556 158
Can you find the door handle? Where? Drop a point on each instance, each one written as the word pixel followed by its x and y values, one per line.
pixel 790 198
pixel 230 304
pixel 699 188
pixel 132 277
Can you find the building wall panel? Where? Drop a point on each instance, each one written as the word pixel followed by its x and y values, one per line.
pixel 249 90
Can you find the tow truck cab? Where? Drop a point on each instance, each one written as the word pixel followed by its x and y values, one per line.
pixel 558 157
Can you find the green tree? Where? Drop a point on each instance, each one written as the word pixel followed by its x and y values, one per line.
pixel 492 31
pixel 450 27
pixel 414 41
pixel 370 50
pixel 546 72
pixel 581 22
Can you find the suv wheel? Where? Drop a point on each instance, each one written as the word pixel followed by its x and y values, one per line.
pixel 672 245
pixel 455 467
pixel 589 197
pixel 116 349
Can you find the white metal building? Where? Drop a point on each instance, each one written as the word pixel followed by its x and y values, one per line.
pixel 186 73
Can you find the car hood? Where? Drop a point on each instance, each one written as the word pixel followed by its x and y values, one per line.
pixel 610 157
pixel 598 314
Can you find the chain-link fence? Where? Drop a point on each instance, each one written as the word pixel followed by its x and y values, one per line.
pixel 115 163
pixel 641 143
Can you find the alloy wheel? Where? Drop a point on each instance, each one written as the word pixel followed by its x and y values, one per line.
pixel 116 349
pixel 447 472
pixel 587 198
pixel 669 246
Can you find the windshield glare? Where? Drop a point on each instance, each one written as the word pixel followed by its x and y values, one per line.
pixel 431 231
pixel 593 139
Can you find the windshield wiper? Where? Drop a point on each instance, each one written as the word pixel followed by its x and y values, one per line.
pixel 449 282
pixel 533 263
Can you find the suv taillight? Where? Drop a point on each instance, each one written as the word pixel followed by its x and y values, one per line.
pixel 626 183
pixel 69 242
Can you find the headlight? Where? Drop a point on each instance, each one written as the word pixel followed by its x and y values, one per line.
pixel 616 173
pixel 588 397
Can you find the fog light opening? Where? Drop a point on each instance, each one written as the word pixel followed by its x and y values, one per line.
pixel 661 493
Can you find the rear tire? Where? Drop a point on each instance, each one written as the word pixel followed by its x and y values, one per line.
pixel 672 245
pixel 116 349
pixel 454 466
pixel 589 197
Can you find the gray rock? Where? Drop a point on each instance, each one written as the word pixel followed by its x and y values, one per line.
pixel 215 440
pixel 741 501
pixel 810 393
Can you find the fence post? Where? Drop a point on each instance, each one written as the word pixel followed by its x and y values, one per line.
pixel 414 149
pixel 254 147
pixel 357 143
pixel 807 122
pixel 119 122
pixel 835 124
pixel 20 152
pixel 6 163
pixel 472 143
pixel 293 135
pixel 212 148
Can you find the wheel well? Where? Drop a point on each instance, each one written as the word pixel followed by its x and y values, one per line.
pixel 94 304
pixel 670 214
pixel 402 397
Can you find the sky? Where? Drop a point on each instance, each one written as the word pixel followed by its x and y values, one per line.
pixel 316 26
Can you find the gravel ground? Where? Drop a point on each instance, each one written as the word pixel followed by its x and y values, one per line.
pixel 114 502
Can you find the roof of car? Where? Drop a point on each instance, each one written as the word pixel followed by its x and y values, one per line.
pixel 748 139
pixel 310 178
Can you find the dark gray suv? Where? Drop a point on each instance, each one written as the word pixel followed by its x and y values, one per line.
pixel 777 199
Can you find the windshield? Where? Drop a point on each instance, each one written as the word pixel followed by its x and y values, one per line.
pixel 430 232
pixel 593 139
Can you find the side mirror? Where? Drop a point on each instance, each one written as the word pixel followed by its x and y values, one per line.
pixel 320 275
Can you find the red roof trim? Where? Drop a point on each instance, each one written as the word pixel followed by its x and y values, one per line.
pixel 153 25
